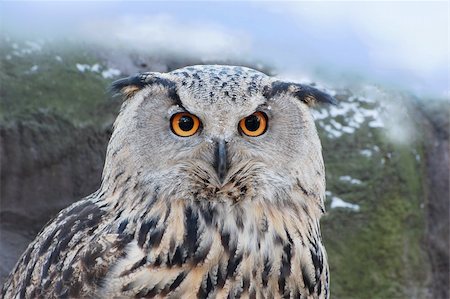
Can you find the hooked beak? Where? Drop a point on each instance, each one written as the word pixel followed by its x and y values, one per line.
pixel 221 159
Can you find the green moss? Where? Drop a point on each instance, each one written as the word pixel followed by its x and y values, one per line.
pixel 55 85
pixel 375 253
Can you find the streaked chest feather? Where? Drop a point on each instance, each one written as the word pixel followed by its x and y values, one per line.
pixel 216 250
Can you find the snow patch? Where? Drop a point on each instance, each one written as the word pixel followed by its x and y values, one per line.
pixel 336 202
pixel 352 113
pixel 349 179
pixel 97 68
pixel 83 67
pixel 366 153
pixel 110 73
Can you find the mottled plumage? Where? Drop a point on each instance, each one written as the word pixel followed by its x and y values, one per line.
pixel 167 222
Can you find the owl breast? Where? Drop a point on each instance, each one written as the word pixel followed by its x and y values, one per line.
pixel 217 249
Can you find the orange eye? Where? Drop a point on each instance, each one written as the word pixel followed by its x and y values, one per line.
pixel 254 125
pixel 184 124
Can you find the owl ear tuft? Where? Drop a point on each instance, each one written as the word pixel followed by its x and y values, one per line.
pixel 128 86
pixel 305 93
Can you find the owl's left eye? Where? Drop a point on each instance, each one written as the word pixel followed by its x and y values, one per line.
pixel 254 124
pixel 184 124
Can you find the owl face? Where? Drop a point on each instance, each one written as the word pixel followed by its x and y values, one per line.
pixel 229 133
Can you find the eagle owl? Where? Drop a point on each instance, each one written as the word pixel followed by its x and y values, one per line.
pixel 213 187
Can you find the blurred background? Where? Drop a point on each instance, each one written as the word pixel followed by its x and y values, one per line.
pixel 386 144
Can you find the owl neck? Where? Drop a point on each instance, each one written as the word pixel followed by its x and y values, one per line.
pixel 255 220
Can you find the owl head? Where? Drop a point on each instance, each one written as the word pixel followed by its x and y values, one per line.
pixel 217 133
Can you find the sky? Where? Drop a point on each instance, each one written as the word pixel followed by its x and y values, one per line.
pixel 399 44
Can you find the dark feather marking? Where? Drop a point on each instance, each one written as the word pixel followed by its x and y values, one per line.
pixel 264 224
pixel 288 236
pixel 302 188
pixel 148 293
pixel 118 215
pixel 317 260
pixel 26 281
pixel 225 239
pixel 266 271
pixel 307 280
pixel 202 253
pixel 221 276
pixel 233 263
pixel 27 256
pixel 208 214
pixel 285 269
pixel 319 287
pixel 47 242
pixel 134 267
pixel 177 281
pixel 191 237
pixel 155 237
pixel 49 261
pixel 282 286
pixel 118 175
pixel 245 283
pixel 157 261
pixel 145 228
pixel 203 290
pixel 122 226
pixel 178 258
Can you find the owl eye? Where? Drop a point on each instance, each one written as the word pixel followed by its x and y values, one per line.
pixel 254 125
pixel 184 124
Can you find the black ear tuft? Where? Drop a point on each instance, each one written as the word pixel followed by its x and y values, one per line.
pixel 305 93
pixel 129 86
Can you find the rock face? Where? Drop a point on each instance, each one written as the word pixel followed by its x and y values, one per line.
pixel 386 227
pixel 437 148
pixel 46 164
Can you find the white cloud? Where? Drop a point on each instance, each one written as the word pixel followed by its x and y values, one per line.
pixel 400 42
pixel 166 35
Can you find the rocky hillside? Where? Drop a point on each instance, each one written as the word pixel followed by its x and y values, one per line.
pixel 386 153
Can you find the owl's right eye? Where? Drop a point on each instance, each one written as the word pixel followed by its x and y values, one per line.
pixel 184 124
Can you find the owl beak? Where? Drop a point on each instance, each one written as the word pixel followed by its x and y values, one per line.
pixel 221 159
